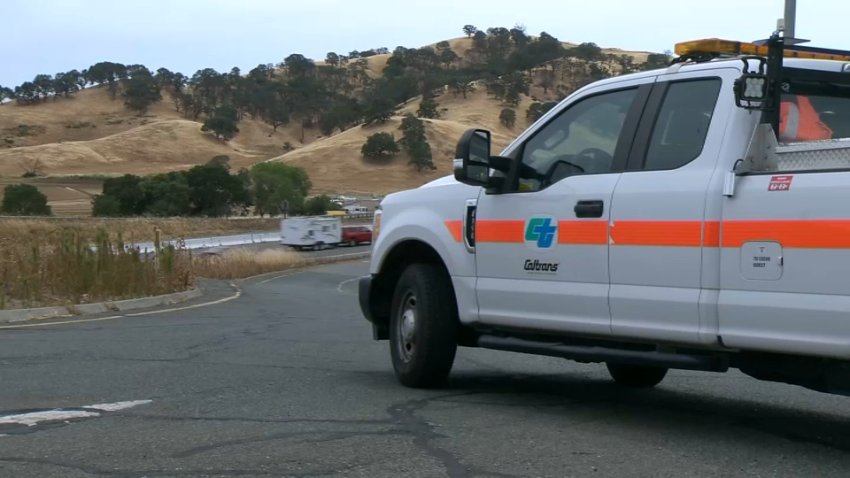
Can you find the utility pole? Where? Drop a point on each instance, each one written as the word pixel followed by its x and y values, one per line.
pixel 790 17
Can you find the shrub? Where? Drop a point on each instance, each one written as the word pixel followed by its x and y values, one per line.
pixel 507 117
pixel 24 200
pixel 379 146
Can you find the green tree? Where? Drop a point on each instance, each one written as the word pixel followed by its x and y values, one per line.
pixel 105 206
pixel 213 191
pixel 319 205
pixel 66 84
pixel 657 60
pixel 6 93
pixel 222 123
pixel 379 146
pixel 379 110
pixel 24 200
pixel 514 85
pixel 274 183
pixel 469 30
pixel 416 143
pixel 44 85
pixel 107 72
pixel 332 59
pixel 537 109
pixel 587 52
pixel 428 108
pixel 26 93
pixel 547 81
pixel 420 155
pixel 141 91
pixel 166 195
pixel 127 192
pixel 507 117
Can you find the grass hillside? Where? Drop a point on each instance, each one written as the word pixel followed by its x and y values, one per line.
pixel 335 164
pixel 71 142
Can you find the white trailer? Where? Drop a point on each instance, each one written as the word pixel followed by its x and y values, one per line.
pixel 310 232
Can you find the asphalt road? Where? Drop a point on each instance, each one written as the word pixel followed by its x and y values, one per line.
pixel 284 380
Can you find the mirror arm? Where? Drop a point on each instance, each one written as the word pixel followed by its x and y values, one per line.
pixel 501 163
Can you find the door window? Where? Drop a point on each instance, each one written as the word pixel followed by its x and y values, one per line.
pixel 581 140
pixel 682 125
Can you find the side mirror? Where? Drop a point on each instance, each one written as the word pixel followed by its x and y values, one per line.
pixel 472 158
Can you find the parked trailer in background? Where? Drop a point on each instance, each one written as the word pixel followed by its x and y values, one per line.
pixel 310 232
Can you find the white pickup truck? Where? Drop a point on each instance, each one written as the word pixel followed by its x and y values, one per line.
pixel 695 217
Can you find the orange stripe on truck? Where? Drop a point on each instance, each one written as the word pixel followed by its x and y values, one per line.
pixel 455 229
pixel 657 233
pixel 500 231
pixel 711 234
pixel 583 232
pixel 804 233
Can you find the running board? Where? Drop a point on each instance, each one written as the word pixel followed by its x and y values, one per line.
pixel 593 353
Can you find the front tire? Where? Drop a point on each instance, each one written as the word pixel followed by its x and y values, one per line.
pixel 423 327
pixel 636 376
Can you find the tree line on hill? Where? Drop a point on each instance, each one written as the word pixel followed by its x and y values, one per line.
pixel 340 92
pixel 383 146
pixel 210 189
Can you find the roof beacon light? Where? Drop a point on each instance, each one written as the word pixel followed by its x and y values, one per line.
pixel 718 47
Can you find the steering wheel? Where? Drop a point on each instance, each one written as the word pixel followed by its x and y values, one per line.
pixel 551 175
pixel 596 154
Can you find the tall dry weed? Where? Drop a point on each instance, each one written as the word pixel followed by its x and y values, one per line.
pixel 243 262
pixel 69 265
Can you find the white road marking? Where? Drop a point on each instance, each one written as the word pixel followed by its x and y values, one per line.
pixel 290 274
pixel 114 407
pixel 137 314
pixel 343 283
pixel 195 306
pixel 34 418
pixel 88 411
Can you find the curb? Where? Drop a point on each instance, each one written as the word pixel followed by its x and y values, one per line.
pixel 23 315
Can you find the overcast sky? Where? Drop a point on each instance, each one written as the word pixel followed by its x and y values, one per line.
pixel 48 36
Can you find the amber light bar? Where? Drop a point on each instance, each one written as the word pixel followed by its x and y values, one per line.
pixel 716 46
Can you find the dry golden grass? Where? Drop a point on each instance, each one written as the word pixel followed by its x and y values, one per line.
pixel 75 265
pixel 92 134
pixel 51 262
pixel 239 263
pixel 156 147
pixel 335 164
pixel 134 229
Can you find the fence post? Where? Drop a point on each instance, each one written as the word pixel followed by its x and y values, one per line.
pixel 157 238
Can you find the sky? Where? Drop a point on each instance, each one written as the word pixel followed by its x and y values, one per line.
pixel 49 36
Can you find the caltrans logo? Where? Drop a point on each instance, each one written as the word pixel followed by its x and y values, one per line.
pixel 541 232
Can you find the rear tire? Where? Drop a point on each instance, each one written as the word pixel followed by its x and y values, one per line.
pixel 636 376
pixel 423 327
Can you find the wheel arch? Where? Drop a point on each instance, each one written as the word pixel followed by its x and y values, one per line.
pixel 401 255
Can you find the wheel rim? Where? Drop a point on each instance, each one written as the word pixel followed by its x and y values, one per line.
pixel 406 326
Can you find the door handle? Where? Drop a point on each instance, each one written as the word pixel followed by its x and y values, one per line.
pixel 593 208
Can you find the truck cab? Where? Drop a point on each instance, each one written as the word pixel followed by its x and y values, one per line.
pixel 692 217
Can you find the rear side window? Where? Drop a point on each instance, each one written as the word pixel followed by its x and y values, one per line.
pixel 682 124
pixel 809 117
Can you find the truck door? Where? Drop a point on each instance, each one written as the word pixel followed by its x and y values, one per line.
pixel 658 212
pixel 786 245
pixel 542 241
